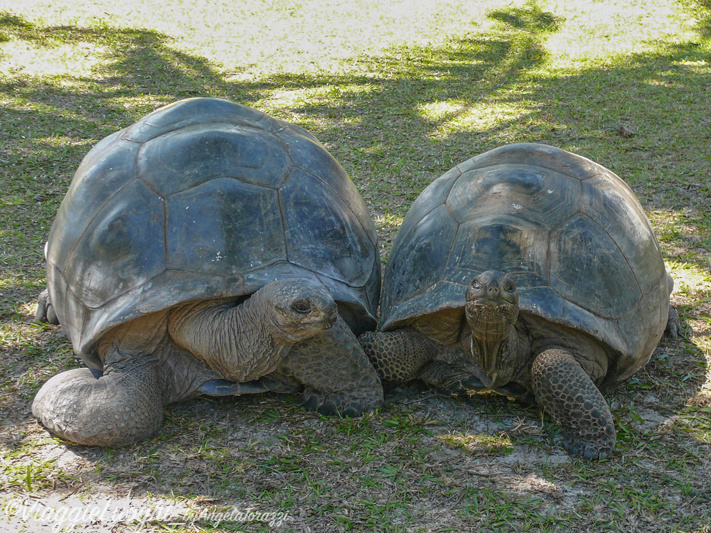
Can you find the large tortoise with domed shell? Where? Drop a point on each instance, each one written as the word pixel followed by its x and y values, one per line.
pixel 208 249
pixel 526 270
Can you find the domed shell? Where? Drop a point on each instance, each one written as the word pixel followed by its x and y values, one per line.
pixel 571 234
pixel 205 199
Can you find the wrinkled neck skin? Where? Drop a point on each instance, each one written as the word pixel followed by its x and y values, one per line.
pixel 247 341
pixel 239 342
pixel 249 344
pixel 496 345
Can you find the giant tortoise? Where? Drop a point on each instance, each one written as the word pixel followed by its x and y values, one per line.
pixel 208 249
pixel 530 271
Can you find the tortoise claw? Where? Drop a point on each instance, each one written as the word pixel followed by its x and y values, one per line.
pixel 590 451
pixel 350 403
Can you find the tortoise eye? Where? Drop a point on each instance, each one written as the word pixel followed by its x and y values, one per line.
pixel 509 287
pixel 301 306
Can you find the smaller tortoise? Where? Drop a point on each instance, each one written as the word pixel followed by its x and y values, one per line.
pixel 569 294
pixel 207 249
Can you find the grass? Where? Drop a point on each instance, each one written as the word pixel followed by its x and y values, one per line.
pixel 399 92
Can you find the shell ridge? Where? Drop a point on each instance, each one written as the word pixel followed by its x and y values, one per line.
pixel 89 222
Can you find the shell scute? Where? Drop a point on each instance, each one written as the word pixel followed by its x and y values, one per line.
pixel 589 270
pixel 318 235
pixel 223 227
pixel 120 262
pixel 188 157
pixel 107 169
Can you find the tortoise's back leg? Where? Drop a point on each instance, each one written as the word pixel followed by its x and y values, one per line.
pixel 45 309
pixel 123 406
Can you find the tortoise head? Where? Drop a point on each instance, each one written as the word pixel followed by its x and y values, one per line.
pixel 299 309
pixel 492 310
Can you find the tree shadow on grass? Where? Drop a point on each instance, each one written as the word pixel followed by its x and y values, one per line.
pixel 139 64
pixel 704 25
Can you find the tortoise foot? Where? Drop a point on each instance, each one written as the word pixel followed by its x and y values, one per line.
pixel 673 329
pixel 590 451
pixel 45 309
pixel 120 408
pixel 350 404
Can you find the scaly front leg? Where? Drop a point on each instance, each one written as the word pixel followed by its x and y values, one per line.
pixel 406 354
pixel 566 392
pixel 337 376
pixel 398 356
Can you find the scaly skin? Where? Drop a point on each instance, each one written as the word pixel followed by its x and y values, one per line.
pixel 212 347
pixel 123 407
pixel 407 354
pixel 337 375
pixel 398 356
pixel 566 392
pixel 246 342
